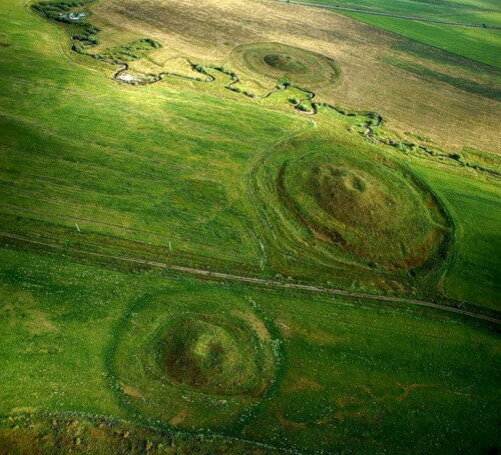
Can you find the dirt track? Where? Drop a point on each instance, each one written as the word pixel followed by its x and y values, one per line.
pixel 378 13
pixel 261 281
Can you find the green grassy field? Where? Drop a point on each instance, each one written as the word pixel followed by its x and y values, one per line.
pixel 477 244
pixel 211 169
pixel 186 194
pixel 343 374
pixel 475 43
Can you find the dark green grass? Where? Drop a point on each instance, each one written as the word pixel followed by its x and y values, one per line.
pixel 438 56
pixel 438 65
pixel 124 53
pixel 348 394
pixel 468 85
pixel 59 433
pixel 427 8
pixel 351 374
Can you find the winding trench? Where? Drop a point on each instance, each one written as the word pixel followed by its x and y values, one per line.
pixel 304 105
pixel 235 79
pixel 373 121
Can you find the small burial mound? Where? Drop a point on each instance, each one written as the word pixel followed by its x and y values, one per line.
pixel 273 61
pixel 200 359
pixel 285 62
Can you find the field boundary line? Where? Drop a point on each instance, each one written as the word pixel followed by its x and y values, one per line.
pixel 398 16
pixel 254 280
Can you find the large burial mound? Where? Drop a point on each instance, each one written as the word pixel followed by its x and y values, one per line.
pixel 358 210
pixel 216 355
pixel 373 211
pixel 352 197
pixel 275 61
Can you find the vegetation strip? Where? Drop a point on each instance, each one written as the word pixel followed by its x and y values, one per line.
pixel 398 16
pixel 262 281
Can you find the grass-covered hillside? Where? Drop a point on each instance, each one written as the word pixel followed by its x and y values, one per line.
pixel 242 236
pixel 418 88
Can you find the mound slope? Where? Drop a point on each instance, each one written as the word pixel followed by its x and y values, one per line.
pixel 216 355
pixel 275 60
pixel 348 207
pixel 178 363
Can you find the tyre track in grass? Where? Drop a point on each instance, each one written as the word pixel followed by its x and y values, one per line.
pixel 253 280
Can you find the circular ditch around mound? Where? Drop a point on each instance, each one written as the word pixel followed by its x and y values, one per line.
pixel 195 359
pixel 274 61
pixel 337 207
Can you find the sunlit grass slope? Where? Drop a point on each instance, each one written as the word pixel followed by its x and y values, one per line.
pixel 128 162
pixel 207 32
pixel 182 171
pixel 474 206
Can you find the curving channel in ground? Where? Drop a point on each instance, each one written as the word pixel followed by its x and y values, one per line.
pixel 293 67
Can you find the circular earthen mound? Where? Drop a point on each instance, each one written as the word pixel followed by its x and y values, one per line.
pixel 216 355
pixel 285 62
pixel 352 197
pixel 196 358
pixel 372 212
pixel 273 61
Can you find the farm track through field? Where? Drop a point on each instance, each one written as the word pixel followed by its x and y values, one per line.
pixel 398 16
pixel 253 280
